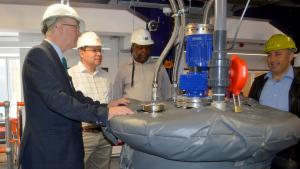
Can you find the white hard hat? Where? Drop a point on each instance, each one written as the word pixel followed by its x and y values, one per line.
pixel 141 37
pixel 88 39
pixel 60 10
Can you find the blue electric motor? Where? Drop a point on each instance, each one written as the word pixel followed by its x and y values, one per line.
pixel 198 53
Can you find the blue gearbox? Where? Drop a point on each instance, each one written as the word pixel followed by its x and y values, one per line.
pixel 198 54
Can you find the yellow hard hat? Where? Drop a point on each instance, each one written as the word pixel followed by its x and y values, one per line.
pixel 280 41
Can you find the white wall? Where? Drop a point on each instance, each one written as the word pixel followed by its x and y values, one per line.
pixel 250 40
pixel 113 25
pixel 255 62
pixel 27 18
pixel 254 30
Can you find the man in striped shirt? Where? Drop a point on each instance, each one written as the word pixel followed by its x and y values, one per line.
pixel 94 82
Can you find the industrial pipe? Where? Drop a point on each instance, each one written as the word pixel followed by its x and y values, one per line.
pixel 206 11
pixel 179 51
pixel 165 51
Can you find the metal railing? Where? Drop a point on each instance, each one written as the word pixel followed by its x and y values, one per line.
pixel 13 132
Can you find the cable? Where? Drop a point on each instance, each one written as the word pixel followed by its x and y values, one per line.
pixel 239 26
pixel 132 72
pixel 133 16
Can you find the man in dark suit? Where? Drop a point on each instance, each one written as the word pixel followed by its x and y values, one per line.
pixel 54 110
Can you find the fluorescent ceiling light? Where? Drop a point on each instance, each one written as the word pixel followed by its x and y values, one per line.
pixel 9 54
pixel 248 54
pixel 9 34
pixel 106 48
pixel 15 47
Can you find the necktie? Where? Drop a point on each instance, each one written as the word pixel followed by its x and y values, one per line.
pixel 64 62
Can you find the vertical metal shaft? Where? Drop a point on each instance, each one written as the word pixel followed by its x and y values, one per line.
pixel 219 64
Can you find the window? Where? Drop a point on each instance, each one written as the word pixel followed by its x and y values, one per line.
pixel 10 82
pixel 3 80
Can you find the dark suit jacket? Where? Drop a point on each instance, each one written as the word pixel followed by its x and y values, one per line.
pixel 294 93
pixel 52 136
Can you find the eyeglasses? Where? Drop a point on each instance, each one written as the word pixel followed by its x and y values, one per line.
pixel 74 26
pixel 94 50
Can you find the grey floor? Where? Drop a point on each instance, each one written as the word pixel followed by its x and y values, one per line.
pixel 114 164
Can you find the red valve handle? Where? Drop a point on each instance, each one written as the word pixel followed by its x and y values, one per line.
pixel 238 74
